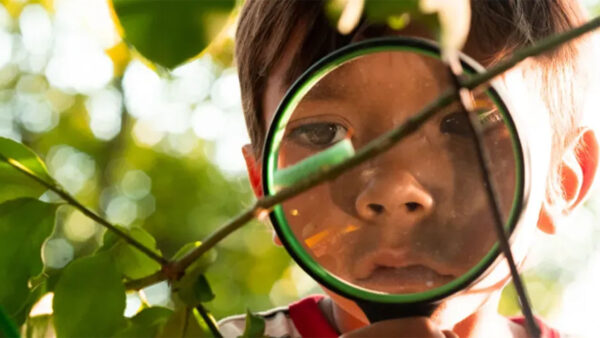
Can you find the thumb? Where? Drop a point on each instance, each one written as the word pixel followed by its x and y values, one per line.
pixel 449 334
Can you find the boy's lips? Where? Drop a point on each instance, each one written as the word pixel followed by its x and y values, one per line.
pixel 395 271
pixel 409 279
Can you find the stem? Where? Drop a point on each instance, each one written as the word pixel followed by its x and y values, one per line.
pixel 373 148
pixel 491 191
pixel 89 213
pixel 138 284
pixel 539 47
pixel 209 321
pixel 186 321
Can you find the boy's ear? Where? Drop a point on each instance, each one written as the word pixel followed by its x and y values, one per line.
pixel 577 172
pixel 254 168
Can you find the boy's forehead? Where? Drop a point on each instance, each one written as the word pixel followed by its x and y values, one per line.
pixel 379 70
pixel 277 81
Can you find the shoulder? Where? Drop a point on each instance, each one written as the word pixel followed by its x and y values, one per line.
pixel 278 323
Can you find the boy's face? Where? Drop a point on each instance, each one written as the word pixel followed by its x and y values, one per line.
pixel 397 172
pixel 416 217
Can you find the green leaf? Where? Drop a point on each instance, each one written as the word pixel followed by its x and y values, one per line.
pixel 7 327
pixel 24 226
pixel 129 260
pixel 398 13
pixel 380 10
pixel 183 323
pixel 36 293
pixel 147 323
pixel 89 298
pixel 193 289
pixel 15 184
pixel 170 32
pixel 39 326
pixel 255 326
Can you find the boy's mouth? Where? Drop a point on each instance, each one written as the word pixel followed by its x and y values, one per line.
pixel 395 272
pixel 409 279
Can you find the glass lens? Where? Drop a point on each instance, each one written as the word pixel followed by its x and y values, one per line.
pixel 415 217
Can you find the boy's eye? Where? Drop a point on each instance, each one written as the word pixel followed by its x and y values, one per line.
pixel 456 123
pixel 318 135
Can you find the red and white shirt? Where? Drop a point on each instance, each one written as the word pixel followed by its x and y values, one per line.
pixel 305 319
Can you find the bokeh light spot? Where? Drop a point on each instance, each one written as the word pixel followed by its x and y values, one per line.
pixel 6 48
pixel 36 30
pixel 145 134
pixel 133 304
pixel 57 252
pixel 35 113
pixel 104 108
pixel 79 227
pixel 121 210
pixel 70 167
pixel 78 64
pixel 207 121
pixel 225 92
pixel 136 184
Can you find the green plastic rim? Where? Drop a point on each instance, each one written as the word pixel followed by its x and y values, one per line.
pixel 276 133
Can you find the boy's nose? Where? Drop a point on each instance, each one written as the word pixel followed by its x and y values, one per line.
pixel 394 194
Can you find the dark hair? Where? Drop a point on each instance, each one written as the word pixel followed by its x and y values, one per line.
pixel 498 27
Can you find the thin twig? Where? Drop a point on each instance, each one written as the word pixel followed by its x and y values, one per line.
pixel 209 321
pixel 373 148
pixel 89 213
pixel 491 191
pixel 538 48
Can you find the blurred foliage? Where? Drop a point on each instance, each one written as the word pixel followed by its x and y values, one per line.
pixel 171 182
pixel 170 32
pixel 20 253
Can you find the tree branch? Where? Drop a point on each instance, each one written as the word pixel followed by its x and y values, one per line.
pixel 89 213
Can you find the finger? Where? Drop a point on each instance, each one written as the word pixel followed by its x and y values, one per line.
pixel 449 334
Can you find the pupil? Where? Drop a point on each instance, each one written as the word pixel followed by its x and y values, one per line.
pixel 456 123
pixel 322 134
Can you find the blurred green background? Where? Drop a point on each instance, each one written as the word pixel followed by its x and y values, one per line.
pixel 162 149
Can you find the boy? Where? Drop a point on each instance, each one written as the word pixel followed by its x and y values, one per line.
pixel 278 39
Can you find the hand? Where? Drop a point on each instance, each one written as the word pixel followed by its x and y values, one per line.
pixel 412 327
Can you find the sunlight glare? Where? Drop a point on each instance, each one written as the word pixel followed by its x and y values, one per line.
pixel 91 17
pixel 104 108
pixel 6 48
pixel 36 30
pixel 78 64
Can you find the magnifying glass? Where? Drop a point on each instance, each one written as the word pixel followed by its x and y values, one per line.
pixel 412 226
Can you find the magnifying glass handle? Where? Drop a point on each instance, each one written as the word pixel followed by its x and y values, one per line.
pixel 376 312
